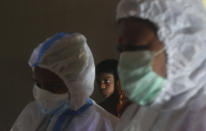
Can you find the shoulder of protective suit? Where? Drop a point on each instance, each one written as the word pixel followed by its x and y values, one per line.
pixel 105 115
pixel 30 105
pixel 31 109
pixel 29 116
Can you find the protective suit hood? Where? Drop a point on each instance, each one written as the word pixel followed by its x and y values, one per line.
pixel 182 28
pixel 68 56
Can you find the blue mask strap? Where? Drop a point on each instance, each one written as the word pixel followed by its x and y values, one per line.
pixel 70 114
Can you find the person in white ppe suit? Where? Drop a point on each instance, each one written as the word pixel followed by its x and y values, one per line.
pixel 162 62
pixel 64 72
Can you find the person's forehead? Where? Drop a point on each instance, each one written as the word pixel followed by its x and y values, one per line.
pixel 45 74
pixel 136 22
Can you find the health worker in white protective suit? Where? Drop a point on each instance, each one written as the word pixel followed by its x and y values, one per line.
pixel 162 64
pixel 64 72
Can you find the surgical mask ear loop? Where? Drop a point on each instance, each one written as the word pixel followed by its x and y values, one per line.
pixel 159 52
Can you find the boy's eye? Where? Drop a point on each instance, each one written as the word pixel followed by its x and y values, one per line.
pixel 107 81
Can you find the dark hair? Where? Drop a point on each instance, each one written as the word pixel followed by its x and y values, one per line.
pixel 108 66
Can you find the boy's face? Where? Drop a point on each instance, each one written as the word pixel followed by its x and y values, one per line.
pixel 106 83
pixel 49 81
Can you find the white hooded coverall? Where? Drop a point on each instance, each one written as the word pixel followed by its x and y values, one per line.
pixel 181 105
pixel 67 55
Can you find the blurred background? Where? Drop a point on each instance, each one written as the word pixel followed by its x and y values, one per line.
pixel 26 23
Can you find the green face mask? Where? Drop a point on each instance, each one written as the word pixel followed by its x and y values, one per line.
pixel 140 83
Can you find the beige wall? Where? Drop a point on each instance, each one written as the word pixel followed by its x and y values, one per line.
pixel 25 23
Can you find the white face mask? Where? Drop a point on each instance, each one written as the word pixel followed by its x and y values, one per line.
pixel 47 100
